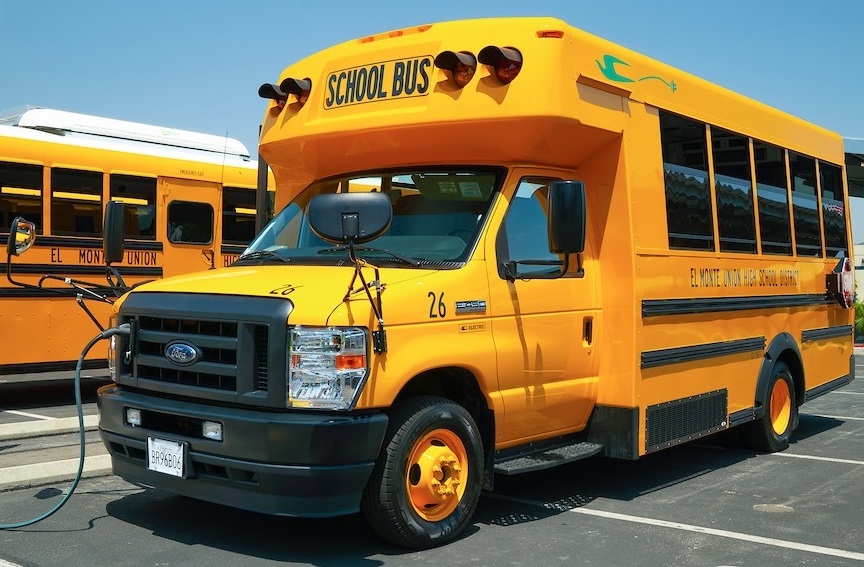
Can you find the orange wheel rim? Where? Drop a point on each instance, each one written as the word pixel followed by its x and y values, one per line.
pixel 437 474
pixel 781 406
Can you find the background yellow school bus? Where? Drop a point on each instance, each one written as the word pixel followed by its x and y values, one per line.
pixel 712 288
pixel 57 170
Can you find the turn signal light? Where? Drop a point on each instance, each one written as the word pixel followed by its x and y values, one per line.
pixel 461 64
pixel 506 62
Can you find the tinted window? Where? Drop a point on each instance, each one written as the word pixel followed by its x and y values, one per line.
pixel 76 202
pixel 20 194
pixel 833 212
pixel 688 199
pixel 808 237
pixel 734 191
pixel 138 194
pixel 238 215
pixel 190 223
pixel 774 226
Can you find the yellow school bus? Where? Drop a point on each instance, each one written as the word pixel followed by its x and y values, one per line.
pixel 502 245
pixel 190 204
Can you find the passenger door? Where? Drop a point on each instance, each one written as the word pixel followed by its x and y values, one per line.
pixel 189 229
pixel 543 328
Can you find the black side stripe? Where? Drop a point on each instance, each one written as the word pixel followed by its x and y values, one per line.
pixel 666 356
pixel 658 307
pixel 79 270
pixel 826 333
pixel 90 242
pixel 827 387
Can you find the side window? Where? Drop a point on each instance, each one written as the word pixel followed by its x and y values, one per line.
pixel 20 194
pixel 734 191
pixel 805 208
pixel 774 225
pixel 524 235
pixel 190 223
pixel 833 212
pixel 688 198
pixel 138 195
pixel 76 202
pixel 238 215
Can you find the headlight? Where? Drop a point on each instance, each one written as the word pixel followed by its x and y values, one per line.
pixel 327 366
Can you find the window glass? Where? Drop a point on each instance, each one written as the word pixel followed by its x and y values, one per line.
pixel 524 234
pixel 20 194
pixel 138 194
pixel 238 215
pixel 805 208
pixel 774 225
pixel 833 211
pixel 76 202
pixel 734 191
pixel 190 223
pixel 688 199
pixel 437 217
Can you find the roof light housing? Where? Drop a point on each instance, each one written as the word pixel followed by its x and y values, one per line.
pixel 506 62
pixel 461 64
pixel 274 93
pixel 298 87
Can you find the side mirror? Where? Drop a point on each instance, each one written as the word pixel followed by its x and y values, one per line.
pixel 112 231
pixel 22 235
pixel 566 224
pixel 343 218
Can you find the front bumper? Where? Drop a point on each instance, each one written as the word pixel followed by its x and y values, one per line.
pixel 293 464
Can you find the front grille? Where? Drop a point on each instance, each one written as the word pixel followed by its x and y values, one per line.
pixel 237 343
pixel 217 342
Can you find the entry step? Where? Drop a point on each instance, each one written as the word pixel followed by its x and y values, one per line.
pixel 547 458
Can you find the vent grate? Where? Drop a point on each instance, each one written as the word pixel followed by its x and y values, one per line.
pixel 679 421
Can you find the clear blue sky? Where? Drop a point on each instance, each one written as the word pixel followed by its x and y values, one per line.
pixel 197 64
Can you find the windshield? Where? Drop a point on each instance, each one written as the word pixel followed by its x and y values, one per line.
pixel 437 218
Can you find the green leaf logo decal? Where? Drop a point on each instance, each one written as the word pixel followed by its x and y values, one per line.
pixel 607 67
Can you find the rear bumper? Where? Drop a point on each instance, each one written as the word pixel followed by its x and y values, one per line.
pixel 294 464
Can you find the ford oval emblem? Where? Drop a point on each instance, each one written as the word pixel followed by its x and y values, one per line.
pixel 182 353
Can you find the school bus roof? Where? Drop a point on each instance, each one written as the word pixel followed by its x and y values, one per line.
pixel 73 124
pixel 382 97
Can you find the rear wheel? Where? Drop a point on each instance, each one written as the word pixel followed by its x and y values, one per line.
pixel 427 480
pixel 772 432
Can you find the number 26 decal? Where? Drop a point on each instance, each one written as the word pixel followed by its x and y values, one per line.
pixel 436 305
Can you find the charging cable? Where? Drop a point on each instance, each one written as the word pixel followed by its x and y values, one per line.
pixel 123 329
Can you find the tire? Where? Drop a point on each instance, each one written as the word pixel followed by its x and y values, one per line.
pixel 427 480
pixel 772 432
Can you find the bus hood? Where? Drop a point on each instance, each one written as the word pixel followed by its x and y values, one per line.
pixel 313 290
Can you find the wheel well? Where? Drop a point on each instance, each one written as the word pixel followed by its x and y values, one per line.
pixel 794 363
pixel 460 386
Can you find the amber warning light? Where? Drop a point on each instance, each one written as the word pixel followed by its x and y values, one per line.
pixel 300 88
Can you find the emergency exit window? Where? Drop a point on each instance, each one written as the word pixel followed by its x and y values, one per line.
pixel 190 222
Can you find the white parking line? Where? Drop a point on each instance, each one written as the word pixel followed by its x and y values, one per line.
pixel 25 414
pixel 814 458
pixel 785 544
pixel 843 417
pixel 848 393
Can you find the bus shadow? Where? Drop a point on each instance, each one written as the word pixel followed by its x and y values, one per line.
pixel 516 500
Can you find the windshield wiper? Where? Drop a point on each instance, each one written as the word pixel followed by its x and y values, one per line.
pixel 262 255
pixel 406 259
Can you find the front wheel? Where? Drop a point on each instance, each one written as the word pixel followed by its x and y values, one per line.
pixel 427 480
pixel 772 432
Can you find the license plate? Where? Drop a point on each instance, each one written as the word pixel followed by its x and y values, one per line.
pixel 165 456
